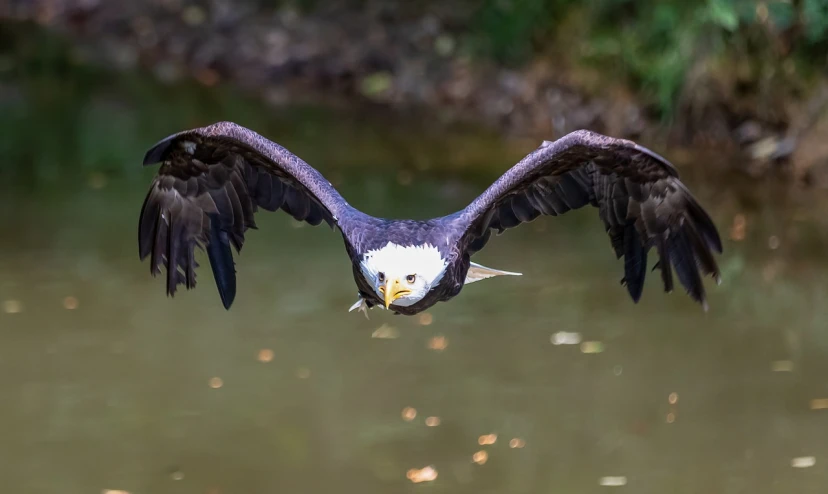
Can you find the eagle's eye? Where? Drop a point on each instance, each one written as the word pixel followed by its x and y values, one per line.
pixel 381 277
pixel 411 278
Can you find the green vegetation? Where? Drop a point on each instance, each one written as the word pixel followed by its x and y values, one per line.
pixel 656 43
pixel 56 109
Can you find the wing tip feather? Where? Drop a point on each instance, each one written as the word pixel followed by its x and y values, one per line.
pixel 221 260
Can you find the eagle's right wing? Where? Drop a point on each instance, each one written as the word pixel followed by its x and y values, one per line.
pixel 210 183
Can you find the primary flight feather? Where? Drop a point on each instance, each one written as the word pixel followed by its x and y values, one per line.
pixel 212 181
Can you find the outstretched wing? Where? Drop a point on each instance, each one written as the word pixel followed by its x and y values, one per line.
pixel 639 197
pixel 211 182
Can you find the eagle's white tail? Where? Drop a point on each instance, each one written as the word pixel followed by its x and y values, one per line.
pixel 361 306
pixel 478 272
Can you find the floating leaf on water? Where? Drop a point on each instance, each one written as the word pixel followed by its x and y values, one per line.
pixel 432 421
pixel 480 457
pixel 517 443
pixel 671 417
pixel 487 439
pixel 12 306
pixel 803 462
pixel 673 398
pixel 592 347
pixel 737 229
pixel 782 366
pixel 386 332
pixel 438 343
pixel 819 403
pixel 265 355
pixel 216 382
pixel 426 474
pixel 70 303
pixel 409 414
pixel 565 338
pixel 114 491
pixel 425 319
pixel 612 481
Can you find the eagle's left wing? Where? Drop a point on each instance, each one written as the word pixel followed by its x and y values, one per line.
pixel 639 197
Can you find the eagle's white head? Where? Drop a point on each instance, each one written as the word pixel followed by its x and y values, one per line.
pixel 403 275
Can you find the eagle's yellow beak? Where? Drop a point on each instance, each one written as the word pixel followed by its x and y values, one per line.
pixel 393 290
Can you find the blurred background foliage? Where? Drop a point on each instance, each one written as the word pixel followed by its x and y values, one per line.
pixel 746 75
pixel 654 42
pixel 63 118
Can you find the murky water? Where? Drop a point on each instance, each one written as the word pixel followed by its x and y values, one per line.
pixel 107 384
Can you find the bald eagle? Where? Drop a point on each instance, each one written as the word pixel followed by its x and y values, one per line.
pixel 213 179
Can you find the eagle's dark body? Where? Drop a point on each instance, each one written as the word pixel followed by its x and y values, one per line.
pixel 213 180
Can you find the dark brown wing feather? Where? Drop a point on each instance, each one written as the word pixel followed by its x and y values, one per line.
pixel 639 197
pixel 211 182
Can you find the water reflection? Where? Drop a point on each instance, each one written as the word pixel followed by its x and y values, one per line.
pixel 552 382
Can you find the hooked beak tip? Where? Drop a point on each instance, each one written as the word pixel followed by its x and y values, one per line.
pixel 392 291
